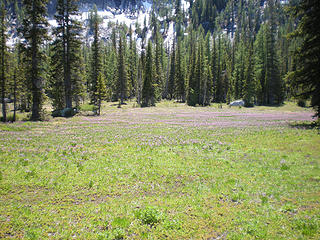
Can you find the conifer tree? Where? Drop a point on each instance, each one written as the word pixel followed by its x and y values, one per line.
pixel 179 74
pixel 238 72
pixel 141 74
pixel 249 84
pixel 56 80
pixel 207 73
pixel 219 76
pixel 24 84
pixel 66 53
pixel 259 65
pixel 305 78
pixel 132 65
pixel 122 71
pixel 34 31
pixel 199 71
pixel 171 83
pixel 101 91
pixel 213 66
pixel 193 96
pixel 96 58
pixel 274 85
pixel 148 95
pixel 158 67
pixel 111 71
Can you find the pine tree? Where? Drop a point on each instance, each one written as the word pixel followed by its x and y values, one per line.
pixel 207 73
pixel 141 74
pixel 158 67
pixel 274 85
pixel 111 72
pixel 213 66
pixel 193 95
pixel 148 95
pixel 172 74
pixel 219 93
pixel 122 72
pixel 56 85
pixel 24 85
pixel 305 78
pixel 35 32
pixel 96 58
pixel 238 72
pixel 132 65
pixel 67 34
pixel 101 90
pixel 259 66
pixel 179 74
pixel 249 84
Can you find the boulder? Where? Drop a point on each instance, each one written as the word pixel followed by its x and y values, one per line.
pixel 6 100
pixel 237 103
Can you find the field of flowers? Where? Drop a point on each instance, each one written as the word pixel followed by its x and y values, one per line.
pixel 166 172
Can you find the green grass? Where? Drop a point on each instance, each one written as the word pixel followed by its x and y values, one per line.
pixel 156 173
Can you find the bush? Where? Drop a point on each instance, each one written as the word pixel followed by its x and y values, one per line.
pixel 301 103
pixel 10 118
pixel 88 107
pixel 149 215
pixel 66 112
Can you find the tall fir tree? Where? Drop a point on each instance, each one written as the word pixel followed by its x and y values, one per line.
pixel 56 86
pixel 122 71
pixel 179 74
pixel 274 84
pixel 96 58
pixel 249 83
pixel 101 91
pixel 305 78
pixel 172 74
pixel 148 94
pixel 158 66
pixel 259 65
pixel 66 79
pixel 193 95
pixel 34 31
pixel 132 65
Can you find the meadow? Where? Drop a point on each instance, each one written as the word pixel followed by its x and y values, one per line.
pixel 165 172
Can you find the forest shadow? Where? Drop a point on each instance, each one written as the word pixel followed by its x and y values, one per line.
pixel 306 125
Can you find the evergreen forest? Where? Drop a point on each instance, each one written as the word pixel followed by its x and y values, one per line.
pixel 219 51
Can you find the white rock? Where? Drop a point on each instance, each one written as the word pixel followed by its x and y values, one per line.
pixel 237 103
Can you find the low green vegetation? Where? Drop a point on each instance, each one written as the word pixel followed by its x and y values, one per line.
pixel 165 172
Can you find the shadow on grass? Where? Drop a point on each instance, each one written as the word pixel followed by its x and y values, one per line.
pixel 306 125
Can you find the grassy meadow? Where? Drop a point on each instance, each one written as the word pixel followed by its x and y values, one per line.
pixel 165 172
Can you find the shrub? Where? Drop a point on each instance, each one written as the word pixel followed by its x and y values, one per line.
pixel 10 118
pixel 149 215
pixel 301 103
pixel 88 107
pixel 66 112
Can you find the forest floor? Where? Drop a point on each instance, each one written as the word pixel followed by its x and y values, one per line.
pixel 165 172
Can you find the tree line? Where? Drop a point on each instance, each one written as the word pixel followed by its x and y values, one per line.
pixel 220 51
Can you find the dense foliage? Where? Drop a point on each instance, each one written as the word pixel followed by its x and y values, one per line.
pixel 306 75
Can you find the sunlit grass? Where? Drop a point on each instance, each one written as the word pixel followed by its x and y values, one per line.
pixel 165 172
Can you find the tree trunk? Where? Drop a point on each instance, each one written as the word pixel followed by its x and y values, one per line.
pixel 3 89
pixel 14 96
pixel 99 106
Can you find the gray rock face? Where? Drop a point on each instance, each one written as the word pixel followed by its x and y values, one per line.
pixel 237 103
